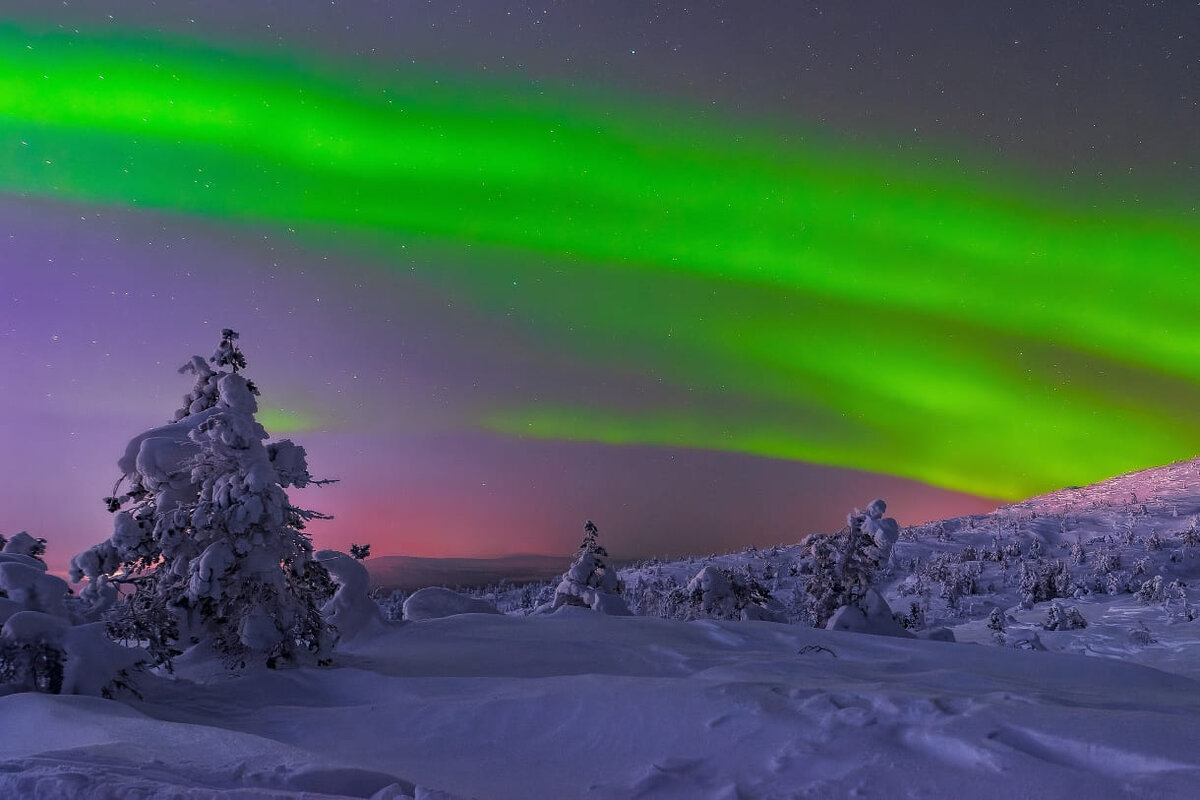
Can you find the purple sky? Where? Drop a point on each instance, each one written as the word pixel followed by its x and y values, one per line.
pixel 383 367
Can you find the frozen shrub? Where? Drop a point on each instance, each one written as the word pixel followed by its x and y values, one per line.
pixel 1190 537
pixel 718 593
pixel 1063 619
pixel 958 581
pixel 1177 604
pixel 391 603
pixel 659 595
pixel 47 643
pixel 1151 591
pixel 1040 581
pixel 914 619
pixel 996 621
pixel 1141 635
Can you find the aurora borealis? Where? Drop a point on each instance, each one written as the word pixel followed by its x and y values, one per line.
pixel 531 273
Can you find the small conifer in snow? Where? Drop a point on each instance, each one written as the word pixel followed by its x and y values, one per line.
pixel 1059 618
pixel 996 621
pixel 591 581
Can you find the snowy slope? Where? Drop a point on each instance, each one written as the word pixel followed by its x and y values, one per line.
pixel 581 705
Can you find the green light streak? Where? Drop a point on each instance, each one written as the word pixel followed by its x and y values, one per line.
pixel 279 421
pixel 852 309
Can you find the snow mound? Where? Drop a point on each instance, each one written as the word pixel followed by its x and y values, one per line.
pixel 592 706
pixel 435 602
pixel 351 610
pixel 874 616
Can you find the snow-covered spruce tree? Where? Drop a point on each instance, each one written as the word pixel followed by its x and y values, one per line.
pixel 205 534
pixel 591 581
pixel 844 564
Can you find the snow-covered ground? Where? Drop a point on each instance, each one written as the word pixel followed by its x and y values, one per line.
pixel 579 704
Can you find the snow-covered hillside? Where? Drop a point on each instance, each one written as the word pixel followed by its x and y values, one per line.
pixel 578 704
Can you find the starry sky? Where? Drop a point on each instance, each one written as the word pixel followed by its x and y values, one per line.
pixel 710 274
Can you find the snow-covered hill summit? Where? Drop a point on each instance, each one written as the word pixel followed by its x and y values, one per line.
pixel 1172 489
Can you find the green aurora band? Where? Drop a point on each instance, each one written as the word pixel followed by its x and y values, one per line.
pixel 810 301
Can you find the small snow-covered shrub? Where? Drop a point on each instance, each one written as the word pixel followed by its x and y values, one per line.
pixel 1059 618
pixel 1189 537
pixel 914 619
pixel 1041 580
pixel 47 643
pixel 1141 636
pixel 1172 596
pixel 391 603
pixel 720 593
pixel 656 595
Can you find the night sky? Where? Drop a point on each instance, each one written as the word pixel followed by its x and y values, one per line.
pixel 709 274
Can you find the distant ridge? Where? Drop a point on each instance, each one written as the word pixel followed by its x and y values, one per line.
pixel 1177 483
pixel 412 572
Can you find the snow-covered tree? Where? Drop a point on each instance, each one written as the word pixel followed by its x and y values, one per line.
pixel 47 642
pixel 591 581
pixel 844 564
pixel 206 536
pixel 1059 618
pixel 722 593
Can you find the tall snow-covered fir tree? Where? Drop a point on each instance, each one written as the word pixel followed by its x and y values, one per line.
pixel 205 535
